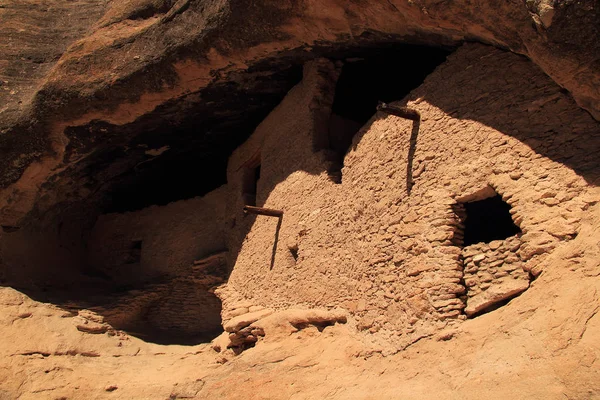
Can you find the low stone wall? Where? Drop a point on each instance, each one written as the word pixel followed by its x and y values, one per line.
pixel 493 273
pixel 183 310
pixel 158 241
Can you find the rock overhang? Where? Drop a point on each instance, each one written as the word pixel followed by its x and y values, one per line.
pixel 161 64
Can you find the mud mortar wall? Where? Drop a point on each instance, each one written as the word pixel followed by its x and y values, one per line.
pixel 291 171
pixel 158 241
pixel 488 118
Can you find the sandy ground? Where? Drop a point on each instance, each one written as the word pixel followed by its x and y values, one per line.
pixel 543 344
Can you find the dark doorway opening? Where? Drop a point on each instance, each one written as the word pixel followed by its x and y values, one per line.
pixel 488 219
pixel 135 253
pixel 250 184
pixel 385 75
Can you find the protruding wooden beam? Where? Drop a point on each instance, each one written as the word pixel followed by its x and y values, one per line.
pixel 263 211
pixel 402 112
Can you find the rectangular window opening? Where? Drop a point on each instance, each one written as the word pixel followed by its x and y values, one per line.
pixel 135 252
pixel 251 176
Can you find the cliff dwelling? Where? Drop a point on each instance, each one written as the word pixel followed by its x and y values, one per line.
pixel 396 242
pixel 393 204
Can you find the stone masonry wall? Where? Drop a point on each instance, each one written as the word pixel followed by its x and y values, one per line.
pixel 183 309
pixel 489 119
pixel 492 273
pixel 391 257
pixel 170 238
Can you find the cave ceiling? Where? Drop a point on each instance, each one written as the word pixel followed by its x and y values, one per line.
pixel 130 95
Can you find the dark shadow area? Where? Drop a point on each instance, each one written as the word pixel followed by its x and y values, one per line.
pixel 136 253
pixel 187 314
pixel 412 148
pixel 387 76
pixel 180 150
pixel 48 259
pixel 488 220
pixel 163 182
pixel 415 116
pixel 294 251
pixel 250 184
pixel 276 240
pixel 169 310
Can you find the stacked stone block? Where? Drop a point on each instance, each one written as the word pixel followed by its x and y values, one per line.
pixel 493 273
